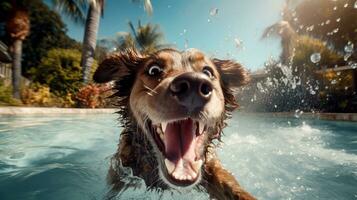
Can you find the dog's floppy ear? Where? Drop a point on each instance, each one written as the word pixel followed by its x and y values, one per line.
pixel 232 73
pixel 117 65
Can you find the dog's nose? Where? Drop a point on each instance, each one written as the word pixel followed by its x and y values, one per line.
pixel 192 89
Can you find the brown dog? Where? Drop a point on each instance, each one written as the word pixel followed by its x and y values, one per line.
pixel 172 106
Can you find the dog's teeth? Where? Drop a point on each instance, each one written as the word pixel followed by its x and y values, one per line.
pixel 170 166
pixel 189 177
pixel 175 175
pixel 197 165
pixel 163 126
pixel 194 175
pixel 201 127
pixel 158 130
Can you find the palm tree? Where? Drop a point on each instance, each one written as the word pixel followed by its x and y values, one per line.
pixel 284 30
pixel 18 27
pixel 74 8
pixel 288 36
pixel 90 36
pixel 147 38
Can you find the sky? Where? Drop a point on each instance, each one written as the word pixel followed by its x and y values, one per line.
pixel 188 23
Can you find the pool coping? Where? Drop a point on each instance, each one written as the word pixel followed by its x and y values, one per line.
pixel 52 110
pixel 352 117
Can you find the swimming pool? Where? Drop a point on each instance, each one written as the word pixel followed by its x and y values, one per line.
pixel 67 157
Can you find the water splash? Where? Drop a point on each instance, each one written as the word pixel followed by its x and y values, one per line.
pixel 315 57
pixel 213 11
pixel 349 47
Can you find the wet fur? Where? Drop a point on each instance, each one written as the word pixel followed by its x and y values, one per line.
pixel 134 149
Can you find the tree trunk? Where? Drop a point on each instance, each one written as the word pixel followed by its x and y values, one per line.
pixel 16 68
pixel 90 39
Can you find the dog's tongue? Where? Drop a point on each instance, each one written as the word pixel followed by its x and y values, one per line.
pixel 180 141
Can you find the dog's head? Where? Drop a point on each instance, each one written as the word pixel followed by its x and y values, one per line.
pixel 179 100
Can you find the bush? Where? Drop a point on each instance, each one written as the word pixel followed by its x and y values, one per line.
pixel 40 95
pixel 93 95
pixel 6 96
pixel 37 94
pixel 60 69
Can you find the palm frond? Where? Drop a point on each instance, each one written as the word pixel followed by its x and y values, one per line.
pixel 282 29
pixel 75 9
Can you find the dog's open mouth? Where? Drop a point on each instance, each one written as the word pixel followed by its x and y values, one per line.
pixel 181 144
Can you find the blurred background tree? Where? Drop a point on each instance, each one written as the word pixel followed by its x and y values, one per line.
pixel 75 9
pixel 311 44
pixel 50 33
pixel 146 38
pixel 17 27
pixel 332 21
pixel 61 71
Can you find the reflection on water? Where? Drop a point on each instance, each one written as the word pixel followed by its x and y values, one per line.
pixel 67 157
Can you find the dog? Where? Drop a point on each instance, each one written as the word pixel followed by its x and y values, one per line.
pixel 172 106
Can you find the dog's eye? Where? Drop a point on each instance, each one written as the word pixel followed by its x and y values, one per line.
pixel 208 71
pixel 154 70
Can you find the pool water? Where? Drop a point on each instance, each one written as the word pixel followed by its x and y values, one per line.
pixel 67 157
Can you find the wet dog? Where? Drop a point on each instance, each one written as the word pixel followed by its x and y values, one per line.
pixel 173 106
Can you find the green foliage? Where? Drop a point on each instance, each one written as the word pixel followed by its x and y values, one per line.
pixel 145 38
pixel 47 31
pixel 6 96
pixel 60 70
pixel 74 9
pixel 37 94
pixel 325 17
pixel 305 46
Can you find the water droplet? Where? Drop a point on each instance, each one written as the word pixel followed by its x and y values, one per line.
pixel 353 65
pixel 213 11
pixel 275 106
pixel 349 47
pixel 338 19
pixel 310 28
pixel 298 113
pixel 260 87
pixel 346 5
pixel 315 57
pixel 186 44
pixel 335 30
pixel 238 42
pixel 335 8
pixel 347 56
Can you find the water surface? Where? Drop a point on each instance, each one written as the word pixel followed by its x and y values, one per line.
pixel 67 157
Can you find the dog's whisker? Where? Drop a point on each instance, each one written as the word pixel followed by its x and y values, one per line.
pixel 148 93
pixel 151 90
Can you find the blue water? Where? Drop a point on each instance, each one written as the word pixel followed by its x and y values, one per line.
pixel 67 157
